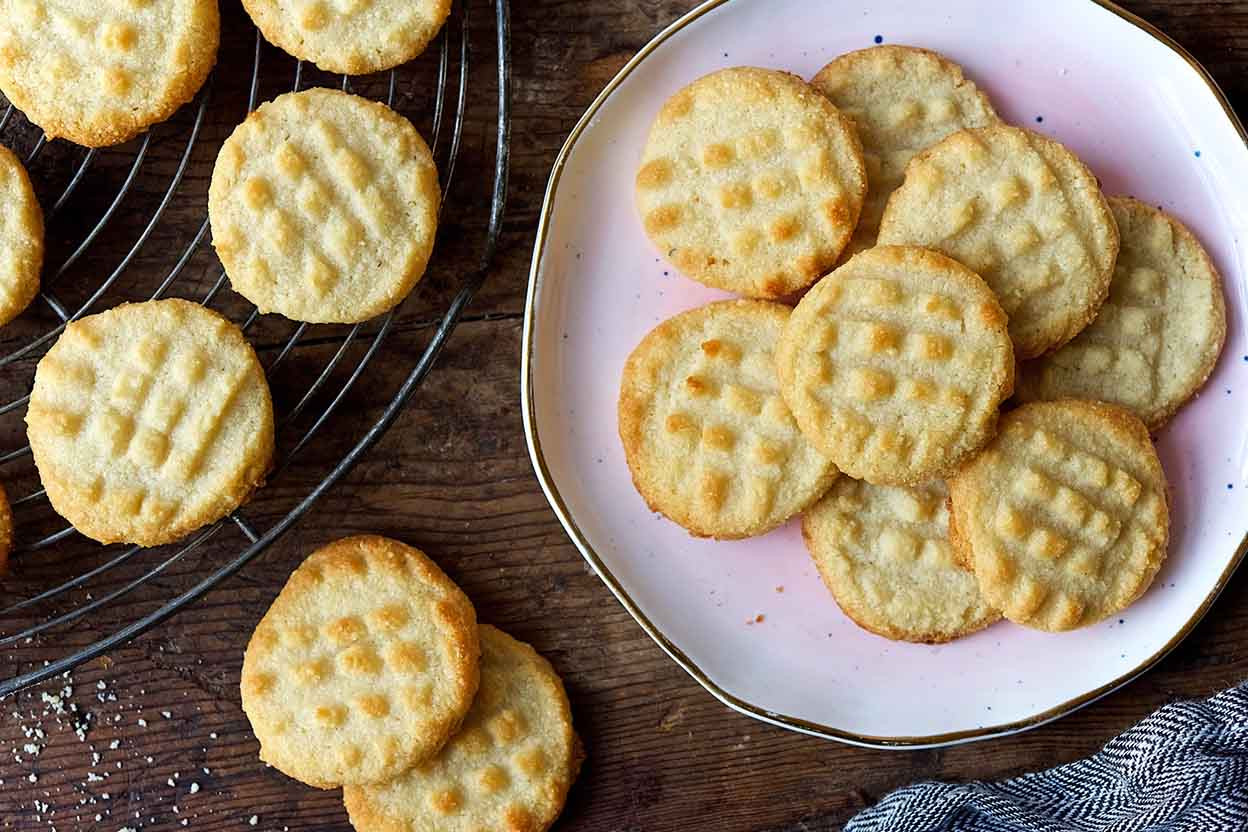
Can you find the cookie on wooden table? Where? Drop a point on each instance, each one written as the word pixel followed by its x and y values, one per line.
pixel 101 73
pixel 6 531
pixel 364 665
pixel 324 207
pixel 1063 516
pixel 1159 334
pixel 894 365
pixel 150 420
pixel 708 438
pixel 507 770
pixel 751 181
pixel 884 553
pixel 902 99
pixel 21 238
pixel 354 37
pixel 1022 212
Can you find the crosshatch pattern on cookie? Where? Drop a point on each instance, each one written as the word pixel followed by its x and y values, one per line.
pixel 324 207
pixel 21 238
pixel 1159 333
pixel 99 74
pixel 895 363
pixel 710 440
pixel 150 420
pixel 751 181
pixel 884 553
pixel 902 100
pixel 1022 212
pixel 1065 514
pixel 363 666
pixel 508 768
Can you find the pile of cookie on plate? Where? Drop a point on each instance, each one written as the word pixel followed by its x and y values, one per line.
pixel 907 264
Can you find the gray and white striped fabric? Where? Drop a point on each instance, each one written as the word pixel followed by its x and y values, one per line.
pixel 1183 769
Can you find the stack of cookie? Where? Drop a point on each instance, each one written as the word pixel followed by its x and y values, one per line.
pixel 370 672
pixel 966 261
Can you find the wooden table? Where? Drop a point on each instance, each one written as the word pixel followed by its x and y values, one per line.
pixel 453 477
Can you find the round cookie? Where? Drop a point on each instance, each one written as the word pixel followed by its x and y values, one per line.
pixel 903 100
pixel 1023 213
pixel 354 37
pixel 1063 516
pixel 884 553
pixel 894 365
pixel 101 73
pixel 1159 334
pixel 364 665
pixel 150 420
pixel 324 207
pixel 507 770
pixel 21 238
pixel 708 438
pixel 6 531
pixel 751 181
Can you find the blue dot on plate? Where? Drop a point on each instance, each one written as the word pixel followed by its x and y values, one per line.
pixel 1197 154
pixel 1230 486
pixel 1039 119
pixel 879 38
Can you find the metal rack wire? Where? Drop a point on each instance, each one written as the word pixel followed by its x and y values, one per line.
pixel 448 108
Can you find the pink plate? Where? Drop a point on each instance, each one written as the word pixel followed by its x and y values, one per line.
pixel 1139 111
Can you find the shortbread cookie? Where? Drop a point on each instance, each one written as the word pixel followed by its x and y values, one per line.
pixel 894 365
pixel 365 664
pixel 903 100
pixel 6 531
pixel 354 37
pixel 21 238
pixel 1023 213
pixel 101 73
pixel 884 553
pixel 1157 337
pixel 507 770
pixel 150 420
pixel 1064 514
pixel 324 207
pixel 708 438
pixel 751 181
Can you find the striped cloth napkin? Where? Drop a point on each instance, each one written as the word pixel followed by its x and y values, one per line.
pixel 1183 769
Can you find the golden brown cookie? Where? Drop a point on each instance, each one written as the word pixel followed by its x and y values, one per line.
pixel 21 238
pixel 884 553
pixel 6 531
pixel 354 37
pixel 894 365
pixel 101 73
pixel 150 420
pixel 324 207
pixel 903 100
pixel 364 666
pixel 1159 334
pixel 710 442
pixel 751 181
pixel 1063 516
pixel 1023 213
pixel 507 770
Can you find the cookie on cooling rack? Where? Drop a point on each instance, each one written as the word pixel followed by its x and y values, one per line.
pixel 101 73
pixel 903 100
pixel 1022 212
pixel 508 769
pixel 884 553
pixel 1063 517
pixel 324 207
pixel 710 442
pixel 21 238
pixel 150 420
pixel 354 37
pixel 1159 334
pixel 751 181
pixel 894 365
pixel 365 664
pixel 6 530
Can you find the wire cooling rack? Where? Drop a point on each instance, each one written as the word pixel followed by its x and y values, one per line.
pixel 141 587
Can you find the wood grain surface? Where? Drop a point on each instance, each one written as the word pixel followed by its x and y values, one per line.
pixel 162 743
